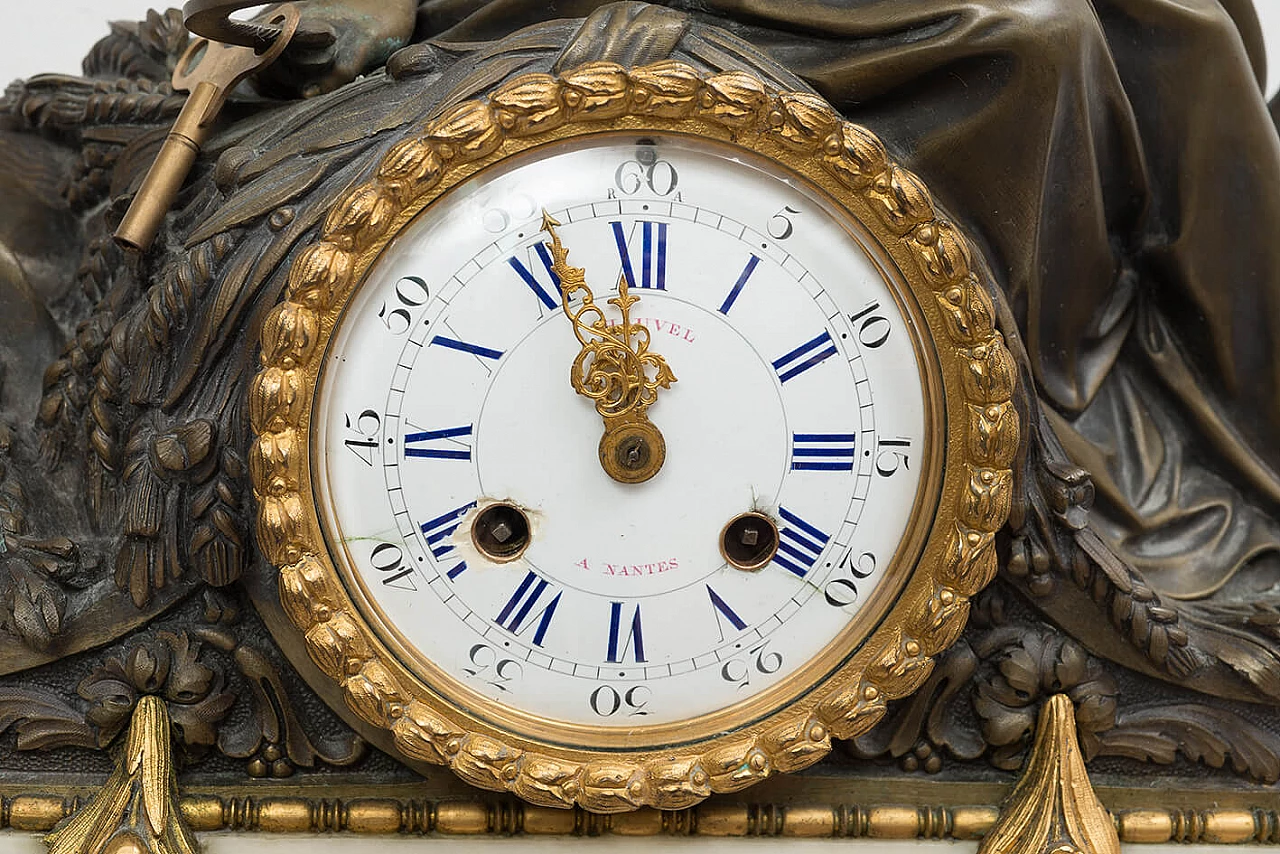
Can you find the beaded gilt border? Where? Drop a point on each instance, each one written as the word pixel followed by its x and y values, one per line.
pixel 805 134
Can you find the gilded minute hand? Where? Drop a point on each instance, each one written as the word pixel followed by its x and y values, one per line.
pixel 615 369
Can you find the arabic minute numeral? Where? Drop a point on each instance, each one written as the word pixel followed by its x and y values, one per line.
pixel 893 456
pixel 410 292
pixel 366 427
pixel 388 558
pixel 780 226
pixel 659 176
pixel 515 208
pixel 606 701
pixel 757 660
pixel 875 328
pixel 842 592
pixel 491 668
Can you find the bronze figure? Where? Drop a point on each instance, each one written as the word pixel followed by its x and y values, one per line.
pixel 1115 160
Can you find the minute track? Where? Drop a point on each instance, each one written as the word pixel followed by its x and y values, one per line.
pixel 443 388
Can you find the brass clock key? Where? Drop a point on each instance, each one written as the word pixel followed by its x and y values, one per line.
pixel 209 70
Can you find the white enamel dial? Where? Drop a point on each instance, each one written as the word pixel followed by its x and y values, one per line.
pixel 799 395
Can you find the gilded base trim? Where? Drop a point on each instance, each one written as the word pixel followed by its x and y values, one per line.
pixel 372 815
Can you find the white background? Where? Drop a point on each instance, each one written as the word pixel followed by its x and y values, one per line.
pixel 53 35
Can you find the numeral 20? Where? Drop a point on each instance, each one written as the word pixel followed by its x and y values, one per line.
pixel 841 592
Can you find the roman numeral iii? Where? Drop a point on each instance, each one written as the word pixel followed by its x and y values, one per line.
pixel 823 451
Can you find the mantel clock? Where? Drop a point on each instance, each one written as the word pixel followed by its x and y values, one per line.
pixel 433 417
pixel 630 435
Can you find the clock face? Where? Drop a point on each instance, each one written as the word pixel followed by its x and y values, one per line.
pixel 458 471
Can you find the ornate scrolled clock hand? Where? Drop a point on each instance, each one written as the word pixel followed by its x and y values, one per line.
pixel 613 368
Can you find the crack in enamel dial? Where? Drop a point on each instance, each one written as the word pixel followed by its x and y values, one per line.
pixel 836 449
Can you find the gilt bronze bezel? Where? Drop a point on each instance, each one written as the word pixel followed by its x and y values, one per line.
pixel 977 437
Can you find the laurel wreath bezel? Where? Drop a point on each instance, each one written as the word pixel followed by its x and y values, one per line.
pixel 933 258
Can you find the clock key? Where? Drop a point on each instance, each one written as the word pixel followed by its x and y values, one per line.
pixel 209 70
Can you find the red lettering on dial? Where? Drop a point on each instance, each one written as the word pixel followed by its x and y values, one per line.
pixel 630 569
pixel 667 327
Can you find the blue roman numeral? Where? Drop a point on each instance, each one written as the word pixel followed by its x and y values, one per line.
pixel 439 529
pixel 799 544
pixel 438 453
pixel 823 451
pixel 534 285
pixel 738 285
pixel 465 347
pixel 653 272
pixel 519 607
pixel 805 357
pixel 634 640
pixel 724 612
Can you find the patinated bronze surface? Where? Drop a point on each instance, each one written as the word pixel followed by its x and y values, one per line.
pixel 1115 160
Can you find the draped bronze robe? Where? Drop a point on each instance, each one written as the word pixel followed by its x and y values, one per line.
pixel 1117 163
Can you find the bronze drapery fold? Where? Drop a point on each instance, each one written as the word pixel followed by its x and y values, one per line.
pixel 1118 161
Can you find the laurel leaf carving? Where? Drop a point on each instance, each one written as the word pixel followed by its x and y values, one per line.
pixel 902 201
pixel 373 693
pixel 609 787
pixel 338 646
pixel 968 316
pixel 860 159
pixel 528 104
pixel 548 782
pixel 806 119
pixel 942 253
pixel 596 90
pixel 679 784
pixel 993 434
pixel 668 89
pixel 734 98
pixel 488 763
pixel 992 373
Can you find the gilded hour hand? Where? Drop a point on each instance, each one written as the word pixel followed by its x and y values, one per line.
pixel 615 368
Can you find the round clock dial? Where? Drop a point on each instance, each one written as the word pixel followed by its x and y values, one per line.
pixel 458 468
pixel 627 436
